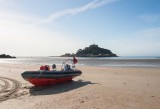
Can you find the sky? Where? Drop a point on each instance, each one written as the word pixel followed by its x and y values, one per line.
pixel 56 27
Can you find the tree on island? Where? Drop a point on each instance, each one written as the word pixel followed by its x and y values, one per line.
pixel 95 51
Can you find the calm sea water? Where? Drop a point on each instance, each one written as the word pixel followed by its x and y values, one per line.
pixel 137 61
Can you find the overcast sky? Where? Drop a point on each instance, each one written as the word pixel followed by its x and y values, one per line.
pixel 55 27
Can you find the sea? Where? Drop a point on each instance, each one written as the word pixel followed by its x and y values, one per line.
pixel 122 61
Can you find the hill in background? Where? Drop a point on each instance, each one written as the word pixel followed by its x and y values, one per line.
pixel 6 56
pixel 92 51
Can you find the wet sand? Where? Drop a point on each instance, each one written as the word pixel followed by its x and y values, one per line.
pixel 96 88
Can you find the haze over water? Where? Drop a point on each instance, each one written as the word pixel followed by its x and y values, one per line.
pixel 128 61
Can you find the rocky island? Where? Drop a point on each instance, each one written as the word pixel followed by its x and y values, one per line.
pixel 6 56
pixel 92 51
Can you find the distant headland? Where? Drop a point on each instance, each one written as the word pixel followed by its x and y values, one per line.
pixel 6 56
pixel 92 51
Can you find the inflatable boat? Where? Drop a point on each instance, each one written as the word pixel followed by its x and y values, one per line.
pixel 45 76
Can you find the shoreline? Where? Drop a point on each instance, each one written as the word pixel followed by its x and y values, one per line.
pixel 109 66
pixel 106 62
pixel 96 88
pixel 59 65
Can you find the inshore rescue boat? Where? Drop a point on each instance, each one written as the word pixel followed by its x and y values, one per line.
pixel 45 76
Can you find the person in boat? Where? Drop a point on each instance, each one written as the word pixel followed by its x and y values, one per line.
pixel 54 67
pixel 67 67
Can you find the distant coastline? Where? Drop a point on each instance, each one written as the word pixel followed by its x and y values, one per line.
pixel 6 56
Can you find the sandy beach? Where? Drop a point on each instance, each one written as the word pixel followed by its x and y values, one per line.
pixel 96 88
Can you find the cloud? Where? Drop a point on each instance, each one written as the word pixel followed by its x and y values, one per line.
pixel 148 33
pixel 17 39
pixel 140 43
pixel 150 18
pixel 73 11
pixel 19 34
